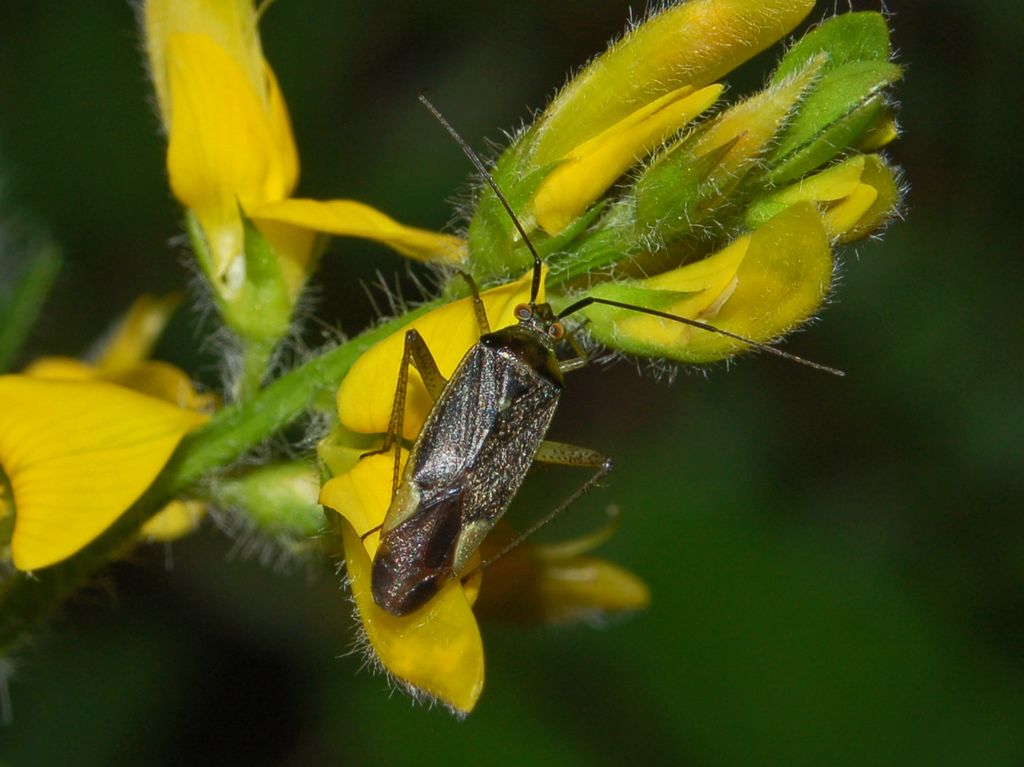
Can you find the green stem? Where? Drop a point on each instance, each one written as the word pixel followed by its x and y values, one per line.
pixel 25 600
pixel 256 355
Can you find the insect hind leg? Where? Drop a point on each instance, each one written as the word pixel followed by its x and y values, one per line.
pixel 563 454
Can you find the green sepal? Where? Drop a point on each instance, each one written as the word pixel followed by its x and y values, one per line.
pixel 200 247
pixel 280 498
pixel 264 306
pixel 835 96
pixel 609 241
pixel 847 38
pixel 494 243
pixel 846 103
pixel 20 307
pixel 835 139
pixel 761 211
pixel 261 309
pixel 670 193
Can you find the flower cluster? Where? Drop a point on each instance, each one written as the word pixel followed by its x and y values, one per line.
pixel 639 184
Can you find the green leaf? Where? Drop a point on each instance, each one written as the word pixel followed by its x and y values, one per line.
pixel 20 308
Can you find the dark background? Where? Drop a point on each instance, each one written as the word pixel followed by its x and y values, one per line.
pixel 837 565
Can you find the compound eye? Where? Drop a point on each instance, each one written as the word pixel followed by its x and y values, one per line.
pixel 556 331
pixel 523 312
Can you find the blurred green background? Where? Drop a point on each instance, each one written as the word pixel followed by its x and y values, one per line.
pixel 837 565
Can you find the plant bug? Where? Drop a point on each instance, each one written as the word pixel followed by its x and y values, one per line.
pixel 486 429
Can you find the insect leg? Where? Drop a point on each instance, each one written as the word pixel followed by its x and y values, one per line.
pixel 573 363
pixel 563 454
pixel 417 353
pixel 478 305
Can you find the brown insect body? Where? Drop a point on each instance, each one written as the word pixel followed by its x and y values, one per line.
pixel 468 462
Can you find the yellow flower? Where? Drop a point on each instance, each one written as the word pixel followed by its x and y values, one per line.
pixel 854 197
pixel 643 91
pixel 759 286
pixel 727 219
pixel 79 443
pixel 231 150
pixel 556 583
pixel 437 650
pixel 589 169
pixel 77 454
pixel 691 44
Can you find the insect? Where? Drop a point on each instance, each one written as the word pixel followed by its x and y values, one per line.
pixel 487 427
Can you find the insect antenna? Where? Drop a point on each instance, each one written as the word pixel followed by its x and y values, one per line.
pixel 479 165
pixel 589 300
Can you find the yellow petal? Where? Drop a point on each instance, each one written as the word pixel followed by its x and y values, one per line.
pixel 556 583
pixel 526 589
pixel 880 177
pixel 61 369
pixel 855 196
pixel 589 169
pixel 137 333
pixel 225 148
pixel 165 382
pixel 843 216
pixel 436 650
pixel 751 125
pixel 362 495
pixel 348 218
pixel 830 185
pixel 693 43
pixel 153 378
pixel 77 455
pixel 887 131
pixel 231 24
pixel 366 395
pixel 175 520
pixel 782 277
pixel 710 281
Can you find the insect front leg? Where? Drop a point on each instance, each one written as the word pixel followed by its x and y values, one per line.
pixel 580 359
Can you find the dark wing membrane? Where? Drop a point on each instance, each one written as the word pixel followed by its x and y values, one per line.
pixel 415 558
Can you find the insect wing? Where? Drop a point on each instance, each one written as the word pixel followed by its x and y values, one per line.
pixel 520 418
pixel 471 457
